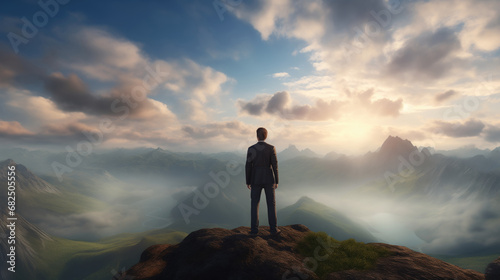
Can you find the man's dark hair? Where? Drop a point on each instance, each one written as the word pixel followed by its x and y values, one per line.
pixel 261 133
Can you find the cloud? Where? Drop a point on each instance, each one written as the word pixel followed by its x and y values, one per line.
pixel 440 97
pixel 409 40
pixel 229 129
pixel 71 94
pixel 479 21
pixel 281 75
pixel 347 14
pixel 429 56
pixel 488 39
pixel 464 228
pixel 469 128
pixel 13 128
pixel 97 54
pixel 280 104
pixel 100 54
pixel 14 70
pixel 66 129
pixel 382 106
pixel 492 133
pixel 188 79
pixel 330 28
pixel 411 134
pixel 263 15
pixel 39 109
pixel 91 225
pixel 307 20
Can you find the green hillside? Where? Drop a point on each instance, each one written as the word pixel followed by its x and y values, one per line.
pixel 319 217
pixel 69 259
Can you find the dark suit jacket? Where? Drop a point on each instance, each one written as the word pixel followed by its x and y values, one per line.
pixel 261 167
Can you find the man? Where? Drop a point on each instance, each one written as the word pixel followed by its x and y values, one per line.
pixel 261 171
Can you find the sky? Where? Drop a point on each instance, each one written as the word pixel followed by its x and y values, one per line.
pixel 202 76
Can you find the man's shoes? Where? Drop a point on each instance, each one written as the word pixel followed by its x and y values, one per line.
pixel 276 232
pixel 253 232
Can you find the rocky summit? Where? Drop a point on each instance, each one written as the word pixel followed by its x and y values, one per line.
pixel 493 270
pixel 218 253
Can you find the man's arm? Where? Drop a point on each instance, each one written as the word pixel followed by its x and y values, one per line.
pixel 249 166
pixel 274 165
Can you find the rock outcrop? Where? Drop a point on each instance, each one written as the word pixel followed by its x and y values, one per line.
pixel 234 254
pixel 493 270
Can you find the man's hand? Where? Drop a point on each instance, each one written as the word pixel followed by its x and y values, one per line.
pixel 275 186
pixel 249 187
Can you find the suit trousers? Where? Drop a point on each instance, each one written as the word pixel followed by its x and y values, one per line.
pixel 271 206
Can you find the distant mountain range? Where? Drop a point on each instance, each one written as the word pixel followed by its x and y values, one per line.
pixel 293 152
pixel 438 193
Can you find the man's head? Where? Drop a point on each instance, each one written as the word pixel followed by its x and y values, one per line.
pixel 261 134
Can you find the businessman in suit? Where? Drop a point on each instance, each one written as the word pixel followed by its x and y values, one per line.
pixel 261 171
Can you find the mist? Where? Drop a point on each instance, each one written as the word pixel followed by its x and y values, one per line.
pixel 444 206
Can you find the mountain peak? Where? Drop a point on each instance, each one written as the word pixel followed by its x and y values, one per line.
pixel 395 146
pixel 7 162
pixel 304 199
pixel 292 151
pixel 291 148
pixel 26 179
pixel 217 253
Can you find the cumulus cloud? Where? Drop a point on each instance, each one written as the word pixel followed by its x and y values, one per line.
pixel 468 128
pixel 409 40
pixel 382 106
pixel 281 75
pixel 188 79
pixel 479 21
pixel 428 56
pixel 72 102
pixel 280 104
pixel 440 97
pixel 307 20
pixel 331 29
pixel 40 109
